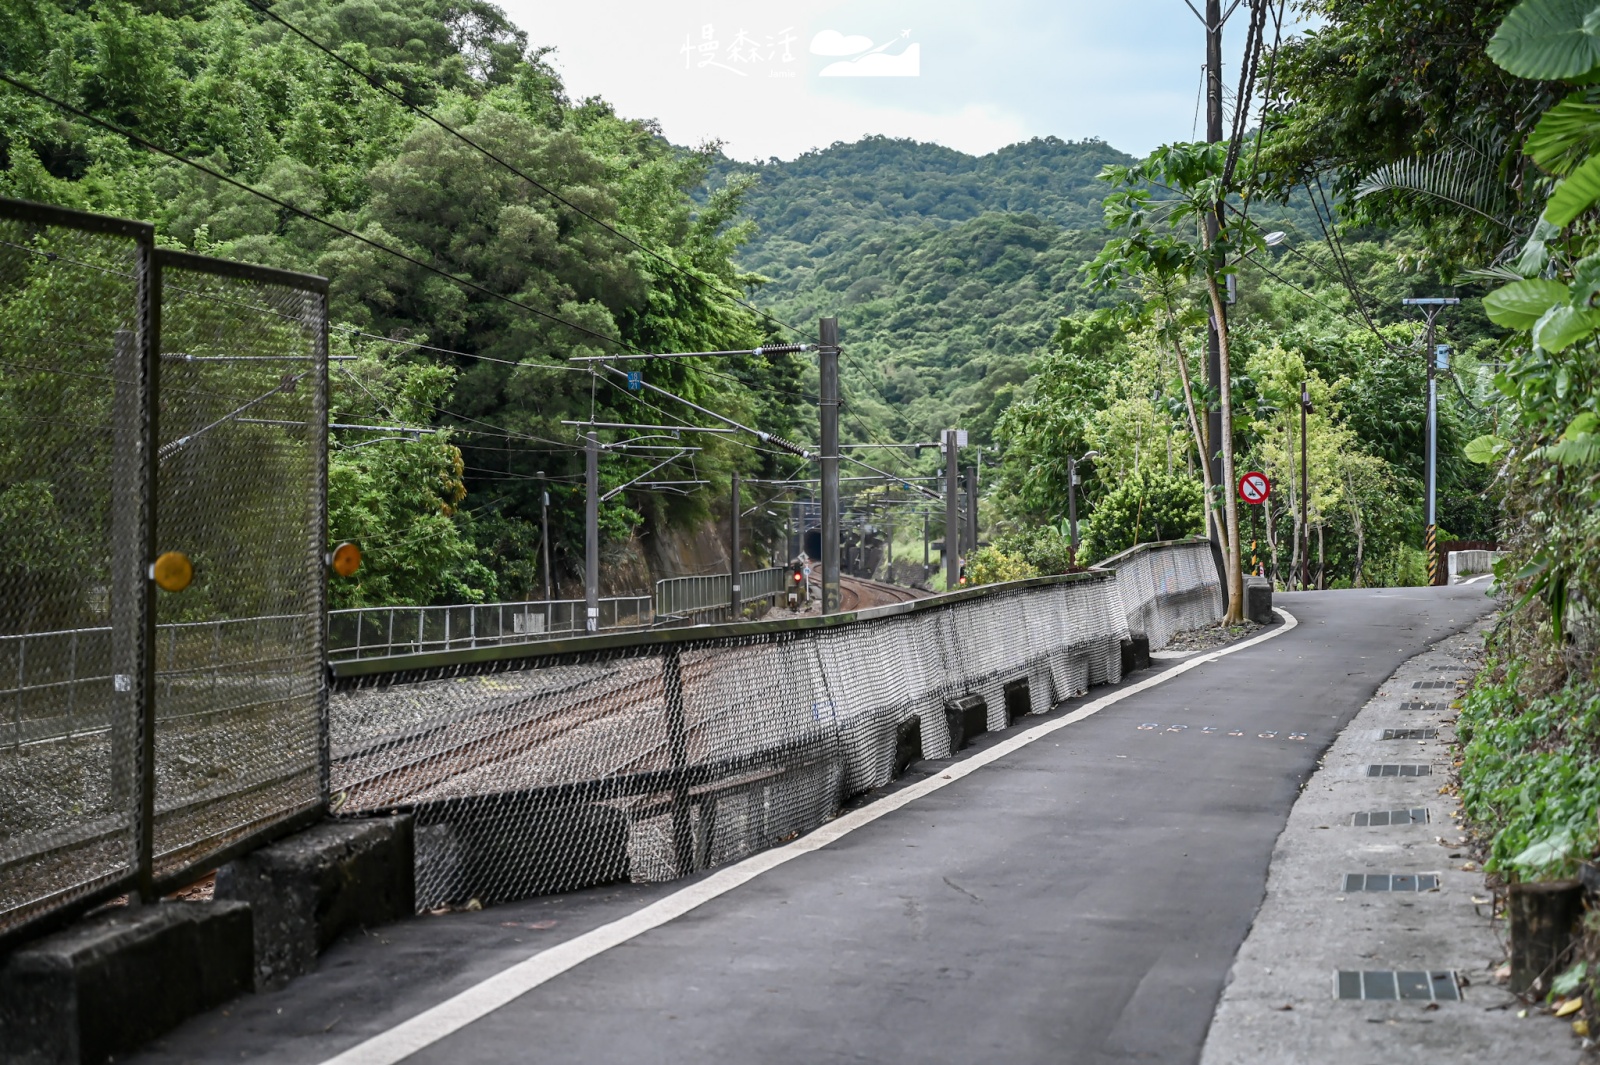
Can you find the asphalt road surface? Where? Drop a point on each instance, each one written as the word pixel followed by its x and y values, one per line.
pixel 1079 900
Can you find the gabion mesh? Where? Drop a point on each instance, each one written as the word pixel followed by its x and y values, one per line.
pixel 241 491
pixel 649 762
pixel 1168 588
pixel 71 489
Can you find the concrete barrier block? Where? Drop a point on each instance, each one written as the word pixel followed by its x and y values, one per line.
pixel 114 981
pixel 308 889
pixel 967 716
pixel 1135 653
pixel 1258 600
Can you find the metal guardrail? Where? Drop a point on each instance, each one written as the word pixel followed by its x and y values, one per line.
pixel 381 631
pixel 683 597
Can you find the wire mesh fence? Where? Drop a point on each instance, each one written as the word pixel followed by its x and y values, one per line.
pixel 150 397
pixel 1169 587
pixel 531 771
pixel 381 631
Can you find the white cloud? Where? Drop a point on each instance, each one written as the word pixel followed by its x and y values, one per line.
pixel 908 64
pixel 832 42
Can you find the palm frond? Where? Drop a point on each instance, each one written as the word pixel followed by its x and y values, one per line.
pixel 1464 176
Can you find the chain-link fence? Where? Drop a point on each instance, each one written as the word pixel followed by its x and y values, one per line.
pixel 1169 587
pixel 152 401
pixel 381 631
pixel 543 769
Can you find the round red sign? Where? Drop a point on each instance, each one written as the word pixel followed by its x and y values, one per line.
pixel 1254 487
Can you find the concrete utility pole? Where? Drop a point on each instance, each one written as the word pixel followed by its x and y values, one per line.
pixel 952 518
pixel 1431 307
pixel 828 401
pixel 927 570
pixel 544 533
pixel 972 508
pixel 1214 21
pixel 591 533
pixel 735 600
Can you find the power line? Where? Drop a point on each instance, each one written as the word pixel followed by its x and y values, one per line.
pixel 554 195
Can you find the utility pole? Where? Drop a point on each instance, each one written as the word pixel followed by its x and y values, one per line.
pixel 972 508
pixel 828 401
pixel 927 570
pixel 1072 497
pixel 591 533
pixel 544 534
pixel 952 519
pixel 1431 307
pixel 1213 222
pixel 1305 530
pixel 736 600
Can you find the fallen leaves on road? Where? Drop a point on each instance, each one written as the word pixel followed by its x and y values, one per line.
pixel 1569 1007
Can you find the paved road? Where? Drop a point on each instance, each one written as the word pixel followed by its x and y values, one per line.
pixel 1079 900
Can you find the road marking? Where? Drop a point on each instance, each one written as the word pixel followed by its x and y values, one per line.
pixel 1475 580
pixel 453 1014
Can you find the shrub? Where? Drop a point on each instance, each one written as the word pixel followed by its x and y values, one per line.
pixel 1147 506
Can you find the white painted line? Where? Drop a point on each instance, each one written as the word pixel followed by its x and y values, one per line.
pixel 1475 580
pixel 478 1001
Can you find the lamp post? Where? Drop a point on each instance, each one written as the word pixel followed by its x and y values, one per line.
pixel 1072 495
pixel 1431 306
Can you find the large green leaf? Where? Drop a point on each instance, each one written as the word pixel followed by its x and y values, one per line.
pixel 1521 304
pixel 1566 135
pixel 1549 40
pixel 1575 195
pixel 1563 326
pixel 1486 450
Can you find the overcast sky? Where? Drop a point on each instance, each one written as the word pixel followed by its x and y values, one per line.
pixel 973 76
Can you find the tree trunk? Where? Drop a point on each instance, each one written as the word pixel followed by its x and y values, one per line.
pixel 1322 582
pixel 1230 498
pixel 1272 545
pixel 1356 580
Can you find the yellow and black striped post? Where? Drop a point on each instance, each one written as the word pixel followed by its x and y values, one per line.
pixel 1430 546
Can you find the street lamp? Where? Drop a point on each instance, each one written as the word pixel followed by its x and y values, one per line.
pixel 1431 306
pixel 1072 495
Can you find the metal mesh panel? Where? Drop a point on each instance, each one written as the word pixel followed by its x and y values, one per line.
pixel 1168 588
pixel 239 682
pixel 532 775
pixel 72 489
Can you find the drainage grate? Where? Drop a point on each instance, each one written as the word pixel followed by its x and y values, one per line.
pixel 1388 985
pixel 1410 733
pixel 1392 770
pixel 1434 684
pixel 1390 882
pixel 1385 818
pixel 1428 707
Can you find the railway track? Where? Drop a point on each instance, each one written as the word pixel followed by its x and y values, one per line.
pixel 858 593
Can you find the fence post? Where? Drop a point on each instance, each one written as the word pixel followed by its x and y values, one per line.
pixel 828 359
pixel 678 750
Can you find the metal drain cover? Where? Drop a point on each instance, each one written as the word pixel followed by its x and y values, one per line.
pixel 1383 818
pixel 1388 985
pixel 1410 734
pixel 1390 881
pixel 1414 705
pixel 1392 770
pixel 1422 684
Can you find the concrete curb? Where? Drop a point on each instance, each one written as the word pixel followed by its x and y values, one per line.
pixel 1279 1006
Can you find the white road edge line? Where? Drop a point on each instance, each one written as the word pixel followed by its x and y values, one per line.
pixel 478 1001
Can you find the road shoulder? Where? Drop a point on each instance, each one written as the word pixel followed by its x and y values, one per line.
pixel 1280 1004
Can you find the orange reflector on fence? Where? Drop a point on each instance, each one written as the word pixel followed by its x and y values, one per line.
pixel 346 559
pixel 172 571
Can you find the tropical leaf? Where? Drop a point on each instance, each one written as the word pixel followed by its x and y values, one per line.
pixel 1465 176
pixel 1566 135
pixel 1486 450
pixel 1549 40
pixel 1575 195
pixel 1563 326
pixel 1521 304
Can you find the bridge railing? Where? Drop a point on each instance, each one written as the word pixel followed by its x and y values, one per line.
pixel 712 594
pixel 381 631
